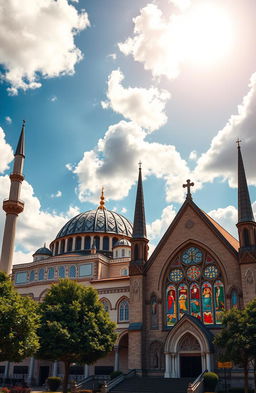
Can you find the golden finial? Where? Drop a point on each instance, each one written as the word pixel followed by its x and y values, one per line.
pixel 102 202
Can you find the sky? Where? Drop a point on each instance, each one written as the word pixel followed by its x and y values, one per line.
pixel 104 84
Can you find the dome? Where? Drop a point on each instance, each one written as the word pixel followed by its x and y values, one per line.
pixel 100 220
pixel 122 242
pixel 43 251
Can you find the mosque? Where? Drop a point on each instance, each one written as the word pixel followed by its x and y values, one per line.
pixel 167 307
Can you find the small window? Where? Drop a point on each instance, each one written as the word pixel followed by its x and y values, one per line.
pixel 32 276
pixel 50 273
pixel 114 241
pixel 97 242
pixel 124 311
pixel 21 278
pixel 70 243
pixel 105 243
pixel 85 270
pixel 124 271
pixel 78 243
pixel 123 252
pixel 61 272
pixel 57 248
pixel 62 246
pixel 234 298
pixel 105 305
pixel 72 271
pixel 87 244
pixel 41 274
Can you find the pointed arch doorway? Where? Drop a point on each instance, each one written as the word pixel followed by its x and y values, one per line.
pixel 188 349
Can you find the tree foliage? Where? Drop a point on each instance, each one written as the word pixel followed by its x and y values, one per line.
pixel 75 328
pixel 19 321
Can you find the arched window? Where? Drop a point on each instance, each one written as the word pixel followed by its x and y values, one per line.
pixel 62 246
pixel 123 252
pixel 50 273
pixel 32 276
pixel 70 242
pixel 105 243
pixel 246 237
pixel 154 312
pixel 78 243
pixel 97 242
pixel 124 311
pixel 61 272
pixel 106 304
pixel 41 274
pixel 234 298
pixel 136 252
pixel 87 244
pixel 72 271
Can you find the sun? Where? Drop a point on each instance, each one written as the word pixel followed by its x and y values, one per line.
pixel 205 34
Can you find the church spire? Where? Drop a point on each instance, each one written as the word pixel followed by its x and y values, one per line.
pixel 20 150
pixel 245 213
pixel 139 223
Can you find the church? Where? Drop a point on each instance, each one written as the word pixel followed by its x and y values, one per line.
pixel 167 307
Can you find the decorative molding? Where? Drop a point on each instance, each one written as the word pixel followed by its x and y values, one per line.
pixel 113 290
pixel 189 224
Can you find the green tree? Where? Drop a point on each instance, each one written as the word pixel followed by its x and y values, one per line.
pixel 250 333
pixel 19 321
pixel 75 328
pixel 232 341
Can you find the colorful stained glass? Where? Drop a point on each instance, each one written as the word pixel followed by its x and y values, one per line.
pixel 193 273
pixel 176 275
pixel 211 272
pixel 171 315
pixel 192 255
pixel 195 306
pixel 207 303
pixel 183 299
pixel 219 301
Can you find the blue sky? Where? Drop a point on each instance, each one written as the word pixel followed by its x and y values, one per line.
pixel 104 84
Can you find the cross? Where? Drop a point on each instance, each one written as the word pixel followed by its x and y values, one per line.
pixel 188 185
pixel 238 141
pixel 140 163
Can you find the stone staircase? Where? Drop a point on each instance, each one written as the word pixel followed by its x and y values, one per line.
pixel 138 384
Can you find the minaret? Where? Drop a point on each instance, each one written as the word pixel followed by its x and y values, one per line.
pixel 246 224
pixel 13 206
pixel 139 235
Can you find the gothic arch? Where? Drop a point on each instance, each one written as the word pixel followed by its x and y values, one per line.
pixel 120 337
pixel 120 300
pixel 42 295
pixel 107 301
pixel 188 243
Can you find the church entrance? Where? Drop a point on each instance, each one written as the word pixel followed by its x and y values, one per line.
pixel 190 365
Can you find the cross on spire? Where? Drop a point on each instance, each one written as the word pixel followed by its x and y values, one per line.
pixel 140 163
pixel 188 185
pixel 238 141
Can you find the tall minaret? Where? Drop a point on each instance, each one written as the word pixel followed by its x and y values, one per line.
pixel 13 206
pixel 246 224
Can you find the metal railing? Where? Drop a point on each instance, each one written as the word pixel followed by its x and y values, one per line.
pixel 114 382
pixel 197 385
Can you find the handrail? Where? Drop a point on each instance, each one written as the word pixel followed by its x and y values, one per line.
pixel 195 385
pixel 111 384
pixel 84 380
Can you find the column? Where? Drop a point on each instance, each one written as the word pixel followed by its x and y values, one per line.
pixel 55 368
pixel 116 365
pixel 82 242
pixel 86 371
pixel 66 245
pixel 167 365
pixel 110 243
pixel 92 237
pixel 173 373
pixel 101 242
pixel 74 244
pixel 203 361
pixel 6 370
pixel 208 361
pixel 31 371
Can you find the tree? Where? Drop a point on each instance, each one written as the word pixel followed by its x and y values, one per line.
pixel 75 328
pixel 19 321
pixel 250 333
pixel 232 341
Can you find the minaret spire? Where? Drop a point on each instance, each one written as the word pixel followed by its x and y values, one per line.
pixel 245 213
pixel 13 206
pixel 139 223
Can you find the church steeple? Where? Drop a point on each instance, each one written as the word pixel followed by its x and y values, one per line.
pixel 245 213
pixel 139 222
pixel 13 206
pixel 246 224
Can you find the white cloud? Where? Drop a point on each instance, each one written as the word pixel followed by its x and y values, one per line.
pixel 220 159
pixel 124 210
pixel 181 4
pixel 113 164
pixel 157 228
pixel 8 120
pixel 37 41
pixel 112 56
pixel 58 194
pixel 6 152
pixel 227 217
pixel 53 98
pixel 193 155
pixel 143 106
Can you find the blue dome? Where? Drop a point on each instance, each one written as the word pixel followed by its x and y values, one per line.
pixel 43 251
pixel 98 220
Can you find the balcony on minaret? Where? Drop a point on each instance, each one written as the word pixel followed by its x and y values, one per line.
pixel 13 207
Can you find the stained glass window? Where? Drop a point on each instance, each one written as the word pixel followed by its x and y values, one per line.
pixel 234 298
pixel 61 272
pixel 194 287
pixel 176 275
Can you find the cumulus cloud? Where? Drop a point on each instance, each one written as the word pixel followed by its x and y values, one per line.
pixel 143 106
pixel 193 155
pixel 114 164
pixel 220 159
pixel 58 194
pixel 227 218
pixel 37 41
pixel 53 98
pixel 8 120
pixel 157 228
pixel 181 4
pixel 6 152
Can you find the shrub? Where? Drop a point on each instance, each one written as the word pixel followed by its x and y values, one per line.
pixel 115 374
pixel 210 381
pixel 53 383
pixel 5 390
